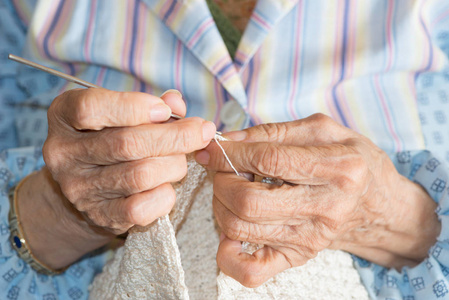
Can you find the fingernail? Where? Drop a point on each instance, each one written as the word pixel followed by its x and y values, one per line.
pixel 172 91
pixel 160 112
pixel 202 157
pixel 222 237
pixel 236 136
pixel 209 130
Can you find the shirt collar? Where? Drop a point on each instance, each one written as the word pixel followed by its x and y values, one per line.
pixel 192 22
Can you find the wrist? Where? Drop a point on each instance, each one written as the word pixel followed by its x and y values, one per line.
pixel 417 220
pixel 401 232
pixel 55 231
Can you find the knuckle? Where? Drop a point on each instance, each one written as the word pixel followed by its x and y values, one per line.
pixel 183 141
pixel 274 131
pixel 248 207
pixel 70 189
pixel 321 119
pixel 133 213
pixel 52 155
pixel 127 145
pixel 319 122
pixel 57 105
pixel 85 205
pixel 271 161
pixel 53 110
pixel 138 179
pixel 188 134
pixel 354 171
pixel 84 110
pixel 265 160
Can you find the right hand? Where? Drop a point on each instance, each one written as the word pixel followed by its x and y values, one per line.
pixel 114 158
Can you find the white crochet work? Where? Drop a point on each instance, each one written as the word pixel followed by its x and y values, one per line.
pixel 330 275
pixel 149 266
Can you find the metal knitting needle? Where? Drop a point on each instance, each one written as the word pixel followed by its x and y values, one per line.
pixel 63 75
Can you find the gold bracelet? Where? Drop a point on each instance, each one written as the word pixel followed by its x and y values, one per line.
pixel 17 237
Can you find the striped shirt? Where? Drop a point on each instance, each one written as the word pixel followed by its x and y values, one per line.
pixel 379 67
pixel 356 63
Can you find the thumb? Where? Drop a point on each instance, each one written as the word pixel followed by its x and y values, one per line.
pixel 173 98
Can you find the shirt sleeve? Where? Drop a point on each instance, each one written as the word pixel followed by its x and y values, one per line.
pixel 429 279
pixel 22 125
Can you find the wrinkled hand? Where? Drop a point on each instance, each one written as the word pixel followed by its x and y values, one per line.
pixel 114 159
pixel 342 192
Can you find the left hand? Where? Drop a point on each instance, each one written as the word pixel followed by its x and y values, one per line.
pixel 341 192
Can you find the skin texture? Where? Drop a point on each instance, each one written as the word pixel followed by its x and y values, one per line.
pixel 341 192
pixel 110 158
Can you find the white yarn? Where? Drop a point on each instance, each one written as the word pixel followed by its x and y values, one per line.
pixel 219 137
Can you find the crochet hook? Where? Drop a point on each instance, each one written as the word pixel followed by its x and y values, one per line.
pixel 91 85
pixel 62 75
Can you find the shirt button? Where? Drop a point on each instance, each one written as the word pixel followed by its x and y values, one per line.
pixel 231 113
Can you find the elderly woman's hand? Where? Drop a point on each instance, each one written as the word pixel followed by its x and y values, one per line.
pixel 340 192
pixel 109 159
pixel 114 160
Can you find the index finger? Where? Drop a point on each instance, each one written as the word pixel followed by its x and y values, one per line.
pixel 299 165
pixel 95 109
pixel 317 129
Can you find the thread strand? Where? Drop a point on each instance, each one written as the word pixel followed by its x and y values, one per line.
pixel 226 156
